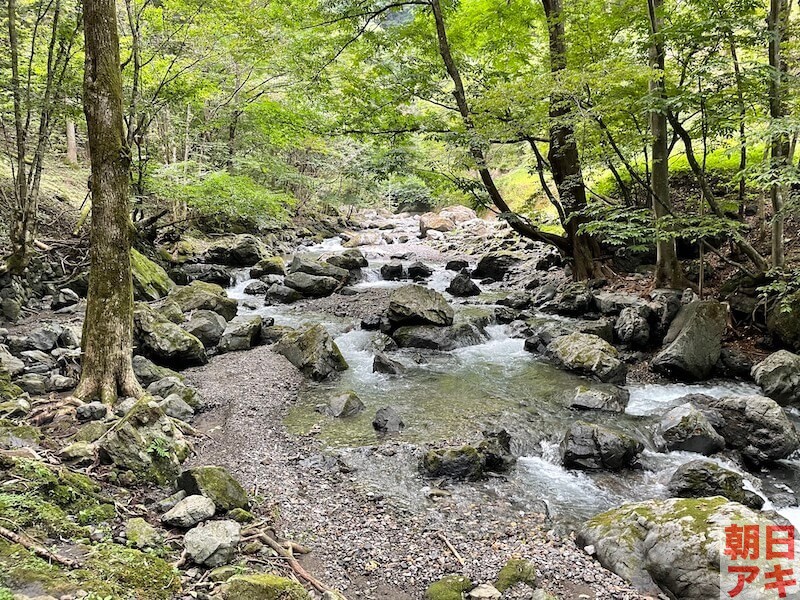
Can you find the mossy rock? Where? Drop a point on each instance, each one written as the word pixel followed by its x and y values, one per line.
pixel 141 534
pixel 456 463
pixel 8 390
pixel 216 484
pixel 516 571
pixel 451 587
pixel 134 573
pixel 150 280
pixel 263 586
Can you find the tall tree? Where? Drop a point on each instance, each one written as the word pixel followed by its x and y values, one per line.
pixel 668 269
pixel 777 22
pixel 107 370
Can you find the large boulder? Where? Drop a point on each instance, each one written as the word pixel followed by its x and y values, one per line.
pixel 458 213
pixel 433 222
pixel 432 337
pixel 589 446
pixel 687 428
pixel 242 333
pixel 783 321
pixel 755 425
pixel 318 269
pixel 207 326
pixel 632 328
pixel 575 300
pixel 281 294
pixel 417 305
pixel 665 305
pixel 349 260
pixel 672 546
pixel 173 386
pixel 217 274
pixel 146 442
pixel 272 265
pixel 313 351
pixel 163 341
pixel 540 331
pixel 148 372
pixel 495 265
pixel 199 295
pixel 150 280
pixel 216 484
pixel 609 398
pixel 779 377
pixel 704 478
pixel 588 355
pixel 314 286
pixel 468 462
pixel 694 341
pixel 214 543
pixel 238 251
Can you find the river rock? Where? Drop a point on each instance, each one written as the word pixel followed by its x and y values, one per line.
pixel 755 425
pixel 779 377
pixel 417 305
pixel 632 328
pixel 264 586
pixel 610 398
pixel 393 271
pixel 674 547
pixel 147 443
pixel 150 280
pixel 213 544
pixel 589 446
pixel 216 484
pixel 242 333
pixel 350 260
pixel 91 411
pixel 464 463
pixel 694 341
pixel 462 286
pixel 318 269
pixel 207 326
pixel 173 385
pixel 783 321
pixel 10 363
pixel 588 355
pixel 704 478
pixel 189 512
pixel 238 251
pixel 313 351
pixel 313 286
pixel 281 294
pixel 665 305
pixel 257 288
pixel 141 534
pixel 174 406
pixel 199 295
pixel 216 274
pixel 484 591
pixel 272 333
pixel 272 265
pixel 575 300
pixel 686 428
pixel 383 364
pixel 433 222
pixel 163 341
pixel 63 299
pixel 495 265
pixel 458 213
pixel 387 420
pixel 443 339
pixel 456 264
pixel 540 331
pixel 613 303
pixel 343 406
pixel 147 371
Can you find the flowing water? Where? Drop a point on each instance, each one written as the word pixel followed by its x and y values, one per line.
pixel 456 395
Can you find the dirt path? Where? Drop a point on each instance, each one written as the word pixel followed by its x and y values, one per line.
pixel 362 544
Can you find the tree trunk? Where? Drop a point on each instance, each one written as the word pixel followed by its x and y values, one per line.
pixel 777 25
pixel 668 269
pixel 72 143
pixel 564 159
pixel 108 327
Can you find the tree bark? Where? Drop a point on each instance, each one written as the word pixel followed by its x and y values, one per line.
pixel 668 269
pixel 776 25
pixel 107 371
pixel 72 143
pixel 564 159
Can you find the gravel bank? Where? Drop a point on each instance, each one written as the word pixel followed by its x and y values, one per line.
pixel 364 544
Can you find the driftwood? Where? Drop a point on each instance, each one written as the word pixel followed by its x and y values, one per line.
pixel 38 550
pixel 450 546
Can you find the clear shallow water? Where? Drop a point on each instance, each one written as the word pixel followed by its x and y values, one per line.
pixel 456 395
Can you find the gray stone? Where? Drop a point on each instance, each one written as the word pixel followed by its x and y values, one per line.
pixel 242 333
pixel 256 288
pixel 704 478
pixel 779 377
pixel 207 326
pixel 208 273
pixel 343 405
pixel 93 411
pixel 34 384
pixel 148 372
pixel 189 512
pixel 239 251
pixel 214 483
pixel 272 265
pixel 10 363
pixel 313 286
pixel 64 298
pixel 349 259
pixel 632 328
pixel 169 386
pixel 419 271
pixel 417 305
pixel 496 265
pixel 392 271
pixel 462 286
pixel 432 337
pixel 609 398
pixel 588 355
pixel 589 446
pixel 687 428
pixel 164 342
pixel 174 406
pixel 383 364
pixel 213 544
pixel 313 351
pixel 281 294
pixel 318 269
pixel 387 420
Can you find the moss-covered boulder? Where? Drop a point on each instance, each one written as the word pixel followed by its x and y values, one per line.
pixel 516 571
pixel 313 351
pixel 216 484
pixel 451 587
pixel 263 586
pixel 671 546
pixel 272 265
pixel 150 280
pixel 783 321
pixel 163 341
pixel 588 355
pixel 148 372
pixel 146 442
pixel 140 534
pixel 704 478
pixel 8 390
pixel 199 295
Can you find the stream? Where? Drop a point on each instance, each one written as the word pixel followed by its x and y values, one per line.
pixel 495 384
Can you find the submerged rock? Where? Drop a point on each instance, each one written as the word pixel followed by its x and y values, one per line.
pixel 343 405
pixel 417 305
pixel 439 338
pixel 313 351
pixel 694 341
pixel 588 355
pixel 703 478
pixel 592 447
pixel 779 377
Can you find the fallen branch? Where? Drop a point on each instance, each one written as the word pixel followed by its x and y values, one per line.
pixel 443 537
pixel 40 551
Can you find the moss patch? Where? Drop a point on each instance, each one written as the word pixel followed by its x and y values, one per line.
pixel 449 588
pixel 150 281
pixel 516 571
pixel 263 586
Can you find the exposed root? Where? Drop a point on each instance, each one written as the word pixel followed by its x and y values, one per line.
pixel 40 551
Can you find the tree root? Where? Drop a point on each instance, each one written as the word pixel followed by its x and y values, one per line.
pixel 40 551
